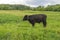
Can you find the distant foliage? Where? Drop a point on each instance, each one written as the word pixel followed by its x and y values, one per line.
pixel 53 8
pixel 39 8
pixel 49 8
pixel 24 7
pixel 13 7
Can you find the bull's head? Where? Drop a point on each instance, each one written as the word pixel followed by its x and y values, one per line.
pixel 25 18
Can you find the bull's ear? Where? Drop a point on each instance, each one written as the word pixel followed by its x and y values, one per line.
pixel 26 15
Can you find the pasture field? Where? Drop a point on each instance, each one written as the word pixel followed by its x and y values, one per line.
pixel 12 26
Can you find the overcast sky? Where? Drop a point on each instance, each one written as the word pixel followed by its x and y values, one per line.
pixel 32 3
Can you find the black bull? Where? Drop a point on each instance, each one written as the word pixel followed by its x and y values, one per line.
pixel 37 18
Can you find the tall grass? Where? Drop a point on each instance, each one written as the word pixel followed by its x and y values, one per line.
pixel 12 26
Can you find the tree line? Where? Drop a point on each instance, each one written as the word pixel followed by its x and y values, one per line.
pixel 14 7
pixel 24 7
pixel 48 8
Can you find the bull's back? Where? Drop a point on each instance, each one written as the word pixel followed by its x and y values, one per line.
pixel 37 16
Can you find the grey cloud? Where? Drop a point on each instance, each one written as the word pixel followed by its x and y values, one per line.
pixel 40 2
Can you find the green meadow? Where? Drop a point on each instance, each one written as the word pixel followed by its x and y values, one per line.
pixel 12 26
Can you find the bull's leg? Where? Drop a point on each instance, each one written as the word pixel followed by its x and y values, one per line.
pixel 33 24
pixel 44 23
